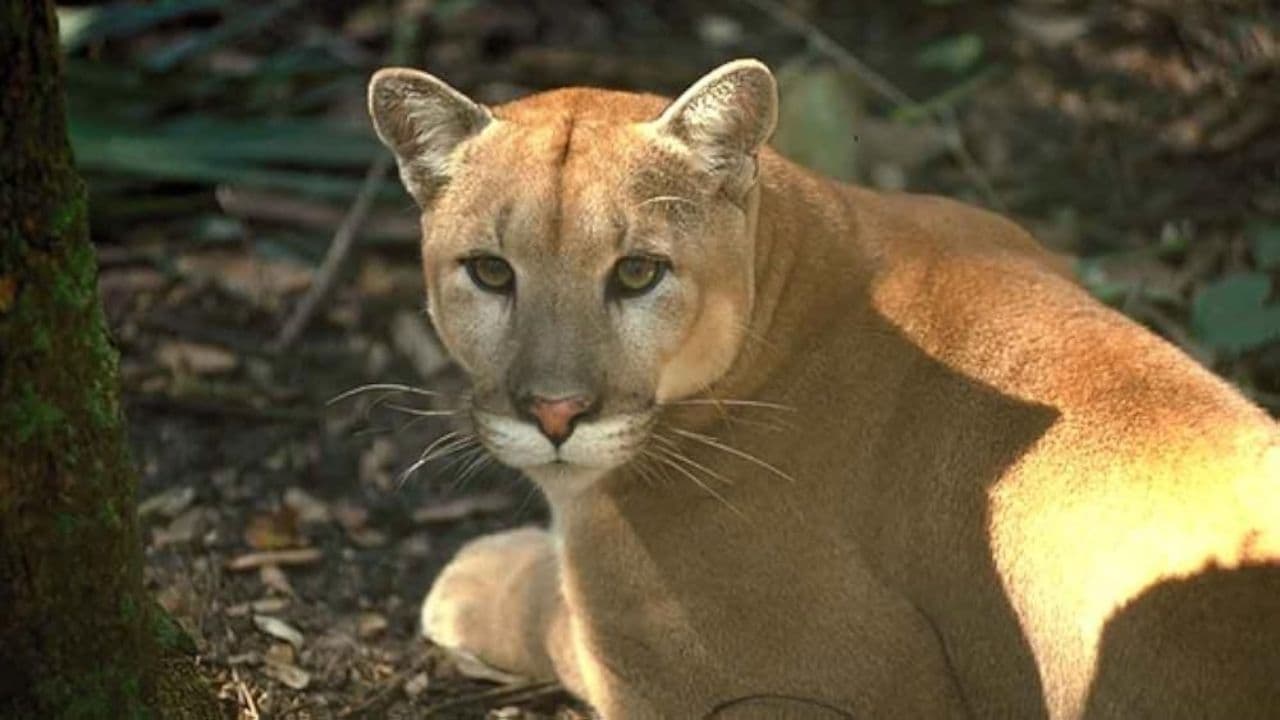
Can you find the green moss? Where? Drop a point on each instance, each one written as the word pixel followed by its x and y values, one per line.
pixel 110 515
pixel 169 634
pixel 26 415
pixel 66 524
pixel 74 286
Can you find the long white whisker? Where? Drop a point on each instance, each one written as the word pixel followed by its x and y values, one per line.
pixel 676 455
pixel 712 442
pixel 394 387
pixel 415 411
pixel 734 403
pixel 706 488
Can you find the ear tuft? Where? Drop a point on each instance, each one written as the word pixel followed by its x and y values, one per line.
pixel 422 120
pixel 725 118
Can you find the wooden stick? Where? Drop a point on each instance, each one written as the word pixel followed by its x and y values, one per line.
pixel 336 258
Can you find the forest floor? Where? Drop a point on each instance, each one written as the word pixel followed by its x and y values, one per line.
pixel 1140 138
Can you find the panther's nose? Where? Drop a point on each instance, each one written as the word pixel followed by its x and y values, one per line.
pixel 556 416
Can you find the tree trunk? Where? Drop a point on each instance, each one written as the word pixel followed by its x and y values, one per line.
pixel 79 636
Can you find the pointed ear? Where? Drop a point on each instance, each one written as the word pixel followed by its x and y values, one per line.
pixel 422 120
pixel 724 119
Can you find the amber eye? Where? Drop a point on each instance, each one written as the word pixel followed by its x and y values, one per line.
pixel 491 273
pixel 637 274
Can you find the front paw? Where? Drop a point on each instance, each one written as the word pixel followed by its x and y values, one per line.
pixel 479 607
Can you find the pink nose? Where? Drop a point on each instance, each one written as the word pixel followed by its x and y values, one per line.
pixel 555 417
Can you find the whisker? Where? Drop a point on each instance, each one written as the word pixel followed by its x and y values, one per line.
pixel 449 440
pixel 706 488
pixel 479 460
pixel 394 387
pixel 732 403
pixel 712 442
pixel 676 455
pixel 416 411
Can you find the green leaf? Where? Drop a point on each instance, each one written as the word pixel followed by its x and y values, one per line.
pixel 955 54
pixel 82 26
pixel 1232 314
pixel 282 153
pixel 1264 238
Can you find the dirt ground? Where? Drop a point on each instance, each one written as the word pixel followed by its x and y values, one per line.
pixel 282 530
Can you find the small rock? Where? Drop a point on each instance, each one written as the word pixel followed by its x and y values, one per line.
pixel 279 629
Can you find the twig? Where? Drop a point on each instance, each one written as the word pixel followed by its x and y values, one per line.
pixel 942 116
pixel 255 560
pixel 383 693
pixel 335 260
pixel 516 694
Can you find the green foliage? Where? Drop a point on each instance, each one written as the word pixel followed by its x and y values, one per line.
pixel 1264 240
pixel 956 54
pixel 83 26
pixel 1232 315
pixel 206 149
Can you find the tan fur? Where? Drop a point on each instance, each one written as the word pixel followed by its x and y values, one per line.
pixel 964 489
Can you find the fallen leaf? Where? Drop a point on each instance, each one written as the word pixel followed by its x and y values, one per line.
pixel 309 509
pixel 275 579
pixel 182 356
pixel 279 629
pixel 258 607
pixel 280 654
pixel 464 507
pixel 183 529
pixel 273 531
pixel 169 503
pixel 291 676
pixel 370 624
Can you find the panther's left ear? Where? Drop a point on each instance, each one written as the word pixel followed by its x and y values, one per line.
pixel 724 119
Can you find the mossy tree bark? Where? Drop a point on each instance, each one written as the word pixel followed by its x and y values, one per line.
pixel 79 637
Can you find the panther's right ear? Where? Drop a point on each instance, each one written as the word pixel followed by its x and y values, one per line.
pixel 423 121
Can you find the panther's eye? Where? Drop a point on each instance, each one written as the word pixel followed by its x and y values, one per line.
pixel 491 273
pixel 637 275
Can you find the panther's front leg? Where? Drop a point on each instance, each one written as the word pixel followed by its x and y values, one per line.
pixel 498 607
